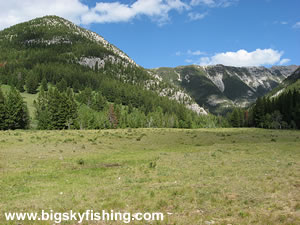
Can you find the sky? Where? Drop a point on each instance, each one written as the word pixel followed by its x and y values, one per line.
pixel 170 33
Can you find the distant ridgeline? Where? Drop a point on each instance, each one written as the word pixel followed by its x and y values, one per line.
pixel 71 78
pixel 279 109
pixel 80 81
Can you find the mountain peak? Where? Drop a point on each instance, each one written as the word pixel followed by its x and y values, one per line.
pixel 54 29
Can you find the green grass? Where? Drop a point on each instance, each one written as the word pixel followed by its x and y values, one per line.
pixel 225 176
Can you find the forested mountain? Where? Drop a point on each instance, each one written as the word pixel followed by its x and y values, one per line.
pixel 289 84
pixel 220 88
pixel 279 109
pixel 68 66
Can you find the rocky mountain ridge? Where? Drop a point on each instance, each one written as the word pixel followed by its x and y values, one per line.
pixel 219 87
pixel 92 51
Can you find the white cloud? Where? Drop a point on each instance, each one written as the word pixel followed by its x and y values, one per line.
pixel 189 61
pixel 213 3
pixel 258 57
pixel 196 16
pixel 118 12
pixel 197 52
pixel 284 61
pixel 178 53
pixel 296 25
pixel 16 11
pixel 204 2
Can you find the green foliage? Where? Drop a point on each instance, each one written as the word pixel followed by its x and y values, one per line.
pixel 44 84
pixel 281 112
pixel 2 111
pixel 31 83
pixel 237 117
pixel 56 110
pixel 13 111
pixel 50 54
pixel 62 85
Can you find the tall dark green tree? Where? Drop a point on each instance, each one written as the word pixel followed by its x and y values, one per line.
pixel 32 83
pixel 17 116
pixel 2 111
pixel 44 84
pixel 99 102
pixel 56 110
pixel 62 85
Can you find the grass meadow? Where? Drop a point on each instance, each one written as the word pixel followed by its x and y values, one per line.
pixel 204 176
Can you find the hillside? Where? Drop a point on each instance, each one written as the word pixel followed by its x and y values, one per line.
pixel 63 47
pixel 53 52
pixel 218 88
pixel 289 84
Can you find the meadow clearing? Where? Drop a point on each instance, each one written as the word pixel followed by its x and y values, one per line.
pixel 203 176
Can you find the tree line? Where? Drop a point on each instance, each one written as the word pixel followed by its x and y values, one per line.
pixel 282 112
pixel 13 111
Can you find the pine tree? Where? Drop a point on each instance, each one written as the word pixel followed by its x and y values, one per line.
pixel 99 102
pixel 41 113
pixel 76 86
pixel 56 110
pixel 20 85
pixel 44 84
pixel 2 111
pixel 17 111
pixel 62 85
pixel 31 83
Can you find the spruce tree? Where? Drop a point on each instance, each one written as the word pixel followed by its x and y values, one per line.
pixel 62 85
pixel 16 110
pixel 44 84
pixel 56 110
pixel 99 102
pixel 76 86
pixel 31 83
pixel 2 111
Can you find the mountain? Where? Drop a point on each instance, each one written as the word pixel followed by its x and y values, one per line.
pixel 219 88
pixel 56 49
pixel 289 84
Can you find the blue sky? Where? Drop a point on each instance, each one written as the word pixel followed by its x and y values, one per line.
pixel 157 33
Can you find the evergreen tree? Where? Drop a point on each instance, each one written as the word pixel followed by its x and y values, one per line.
pixel 99 102
pixel 31 83
pixel 56 110
pixel 2 111
pixel 76 86
pixel 20 85
pixel 44 84
pixel 62 85
pixel 16 111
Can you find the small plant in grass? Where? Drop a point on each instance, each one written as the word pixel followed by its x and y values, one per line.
pixel 273 140
pixel 152 165
pixel 152 194
pixel 139 138
pixel 80 161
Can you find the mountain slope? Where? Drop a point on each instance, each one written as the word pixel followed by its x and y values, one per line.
pixel 57 49
pixel 289 84
pixel 219 87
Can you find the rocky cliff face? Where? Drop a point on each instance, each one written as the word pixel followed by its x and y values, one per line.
pixel 219 87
